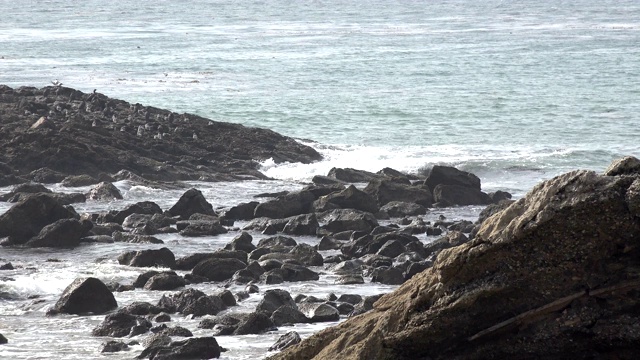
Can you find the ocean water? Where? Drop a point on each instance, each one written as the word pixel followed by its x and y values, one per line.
pixel 513 91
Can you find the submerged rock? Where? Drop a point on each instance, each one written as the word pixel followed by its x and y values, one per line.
pixel 551 276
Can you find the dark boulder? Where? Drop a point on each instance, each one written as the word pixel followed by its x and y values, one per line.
pixel 348 219
pixel 243 211
pixel 216 269
pixel 352 175
pixel 114 346
pixel 78 180
pixel 306 224
pixel 190 261
pixel 387 190
pixel 387 275
pixel 165 281
pixel 143 207
pixel 451 239
pixel 147 258
pixel 452 195
pixel 255 323
pixel 349 198
pixel 26 188
pixel 447 175
pixel 203 228
pixel 63 233
pixel 293 272
pixel 192 302
pixel 398 209
pixel 191 202
pixel 242 242
pixel 307 255
pixel 141 308
pixel 117 324
pixel 85 295
pixel 287 314
pixel 193 348
pixel 277 241
pixel 291 204
pixel 26 218
pixel 274 299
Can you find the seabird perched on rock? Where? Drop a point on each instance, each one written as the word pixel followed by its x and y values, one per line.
pixel 195 136
pixel 56 83
pixel 140 130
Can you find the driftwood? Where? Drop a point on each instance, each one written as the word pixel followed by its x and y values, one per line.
pixel 534 315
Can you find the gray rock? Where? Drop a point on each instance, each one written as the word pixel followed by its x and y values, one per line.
pixel 104 191
pixel 216 269
pixel 191 202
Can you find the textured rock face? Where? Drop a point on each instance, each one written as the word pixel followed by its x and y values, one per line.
pixel 554 275
pixel 94 134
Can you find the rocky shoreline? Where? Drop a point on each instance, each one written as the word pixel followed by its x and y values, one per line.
pixel 344 218
pixel 52 133
pixel 551 275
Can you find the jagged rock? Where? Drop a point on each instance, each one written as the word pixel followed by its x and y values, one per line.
pixel 328 243
pixel 352 299
pixel 288 339
pixel 46 176
pixel 349 280
pixel 191 202
pixel 85 295
pixel 7 266
pixel 307 255
pixel 551 276
pixel 63 233
pixel 26 218
pixel 291 204
pixel 387 190
pixel 325 180
pixel 116 325
pixel 104 191
pixel 216 269
pixel 146 258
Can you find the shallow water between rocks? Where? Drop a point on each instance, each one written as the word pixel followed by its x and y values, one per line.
pixel 41 275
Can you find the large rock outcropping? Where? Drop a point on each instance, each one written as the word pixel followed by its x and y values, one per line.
pixel 61 131
pixel 555 275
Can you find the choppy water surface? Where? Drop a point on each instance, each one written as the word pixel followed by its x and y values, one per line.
pixel 514 91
